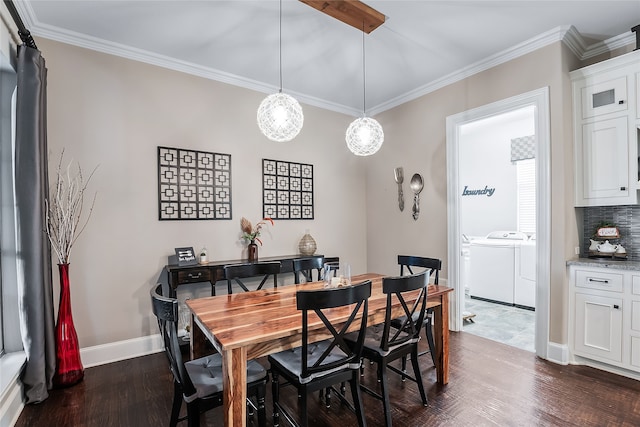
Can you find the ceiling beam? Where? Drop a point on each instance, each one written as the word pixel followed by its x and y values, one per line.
pixel 351 12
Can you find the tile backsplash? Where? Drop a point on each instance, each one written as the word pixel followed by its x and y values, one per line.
pixel 626 218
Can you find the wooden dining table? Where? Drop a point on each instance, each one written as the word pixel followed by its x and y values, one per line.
pixel 250 325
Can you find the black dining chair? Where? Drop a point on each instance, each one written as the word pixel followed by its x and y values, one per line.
pixel 434 265
pixel 198 382
pixel 384 343
pixel 237 272
pixel 304 267
pixel 317 366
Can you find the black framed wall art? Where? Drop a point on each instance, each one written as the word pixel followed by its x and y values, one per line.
pixel 193 185
pixel 287 190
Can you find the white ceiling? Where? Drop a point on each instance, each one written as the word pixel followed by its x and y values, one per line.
pixel 422 46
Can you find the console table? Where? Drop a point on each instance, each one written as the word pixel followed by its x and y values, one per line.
pixel 213 271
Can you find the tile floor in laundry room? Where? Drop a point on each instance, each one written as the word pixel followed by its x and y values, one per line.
pixel 506 324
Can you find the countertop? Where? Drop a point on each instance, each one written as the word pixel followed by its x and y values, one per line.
pixel 606 263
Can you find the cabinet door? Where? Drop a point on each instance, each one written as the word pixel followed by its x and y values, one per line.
pixel 598 327
pixel 605 159
pixel 604 97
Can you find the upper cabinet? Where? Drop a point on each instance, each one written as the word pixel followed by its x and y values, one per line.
pixel 605 97
pixel 606 118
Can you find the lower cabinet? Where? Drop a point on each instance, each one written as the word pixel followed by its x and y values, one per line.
pixel 598 327
pixel 604 313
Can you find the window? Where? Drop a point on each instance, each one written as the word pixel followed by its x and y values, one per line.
pixel 526 198
pixel 9 338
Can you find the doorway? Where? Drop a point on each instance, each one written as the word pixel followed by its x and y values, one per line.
pixel 538 101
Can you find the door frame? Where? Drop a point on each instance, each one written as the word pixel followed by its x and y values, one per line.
pixel 538 98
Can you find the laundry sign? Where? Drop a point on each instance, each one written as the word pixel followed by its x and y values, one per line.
pixel 484 192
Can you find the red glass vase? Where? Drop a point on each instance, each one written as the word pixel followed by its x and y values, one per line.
pixel 252 251
pixel 69 370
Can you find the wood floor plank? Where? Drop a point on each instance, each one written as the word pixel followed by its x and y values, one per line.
pixel 491 384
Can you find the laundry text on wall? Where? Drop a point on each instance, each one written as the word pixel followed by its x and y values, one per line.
pixel 487 191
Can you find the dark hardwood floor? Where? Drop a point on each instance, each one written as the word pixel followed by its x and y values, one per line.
pixel 491 384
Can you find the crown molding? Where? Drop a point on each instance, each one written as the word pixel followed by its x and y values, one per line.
pixel 528 46
pixel 608 45
pixel 569 35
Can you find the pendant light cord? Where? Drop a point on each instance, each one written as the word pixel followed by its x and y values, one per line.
pixel 280 46
pixel 364 77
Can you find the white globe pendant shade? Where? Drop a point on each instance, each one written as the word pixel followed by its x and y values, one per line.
pixel 364 136
pixel 280 117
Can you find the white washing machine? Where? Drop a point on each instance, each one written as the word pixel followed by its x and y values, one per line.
pixel 492 266
pixel 525 290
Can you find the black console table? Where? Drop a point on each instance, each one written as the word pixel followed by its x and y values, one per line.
pixel 213 271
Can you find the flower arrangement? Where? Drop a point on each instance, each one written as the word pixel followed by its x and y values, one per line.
pixel 64 210
pixel 249 232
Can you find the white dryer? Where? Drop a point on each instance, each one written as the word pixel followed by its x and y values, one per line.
pixel 492 266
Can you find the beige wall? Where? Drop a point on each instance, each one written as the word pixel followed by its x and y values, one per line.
pixel 112 112
pixel 415 138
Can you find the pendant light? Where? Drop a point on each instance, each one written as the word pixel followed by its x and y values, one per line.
pixel 364 135
pixel 280 115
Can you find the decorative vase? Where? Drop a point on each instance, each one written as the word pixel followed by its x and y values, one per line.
pixel 307 245
pixel 253 251
pixel 69 370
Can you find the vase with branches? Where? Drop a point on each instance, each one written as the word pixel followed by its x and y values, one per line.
pixel 252 234
pixel 66 219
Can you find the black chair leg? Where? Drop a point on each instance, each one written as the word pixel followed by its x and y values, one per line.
pixel 275 391
pixel 404 368
pixel 382 372
pixel 327 397
pixel 193 414
pixel 262 411
pixel 417 374
pixel 304 417
pixel 432 346
pixel 357 399
pixel 177 404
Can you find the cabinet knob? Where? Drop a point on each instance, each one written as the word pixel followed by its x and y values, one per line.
pixel 621 102
pixel 623 188
pixel 616 306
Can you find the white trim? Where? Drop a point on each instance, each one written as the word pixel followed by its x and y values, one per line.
pixel 120 350
pixel 558 353
pixel 11 403
pixel 540 99
pixel 606 367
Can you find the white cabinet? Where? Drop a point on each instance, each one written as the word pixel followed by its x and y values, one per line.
pixel 605 97
pixel 598 327
pixel 606 103
pixel 604 157
pixel 604 316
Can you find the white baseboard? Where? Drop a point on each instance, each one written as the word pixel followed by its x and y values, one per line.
pixel 11 403
pixel 558 353
pixel 120 350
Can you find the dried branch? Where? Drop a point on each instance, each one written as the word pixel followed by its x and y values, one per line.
pixel 64 209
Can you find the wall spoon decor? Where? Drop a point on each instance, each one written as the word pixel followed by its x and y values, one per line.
pixel 416 185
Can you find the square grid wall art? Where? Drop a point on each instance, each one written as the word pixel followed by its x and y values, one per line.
pixel 287 190
pixel 193 184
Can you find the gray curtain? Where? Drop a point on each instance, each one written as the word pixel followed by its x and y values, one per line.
pixel 34 253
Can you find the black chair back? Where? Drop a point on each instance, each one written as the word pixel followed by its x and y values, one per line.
pixel 317 301
pixel 413 307
pixel 166 311
pixel 433 264
pixel 237 272
pixel 304 267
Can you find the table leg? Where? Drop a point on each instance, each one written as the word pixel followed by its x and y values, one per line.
pixel 234 377
pixel 198 342
pixel 441 314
